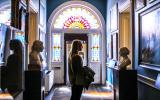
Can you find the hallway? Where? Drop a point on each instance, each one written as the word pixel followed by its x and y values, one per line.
pixel 120 42
pixel 94 93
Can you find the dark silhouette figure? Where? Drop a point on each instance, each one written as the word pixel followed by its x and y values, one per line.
pixel 75 70
pixel 14 70
pixel 35 59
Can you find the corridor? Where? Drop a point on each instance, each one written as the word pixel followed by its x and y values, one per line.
pixel 119 42
pixel 93 93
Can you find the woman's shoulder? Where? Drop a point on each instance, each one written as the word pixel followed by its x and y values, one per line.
pixel 76 56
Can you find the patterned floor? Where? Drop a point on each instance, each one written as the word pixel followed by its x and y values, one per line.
pixel 94 93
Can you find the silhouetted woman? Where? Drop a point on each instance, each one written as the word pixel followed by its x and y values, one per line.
pixel 15 66
pixel 75 66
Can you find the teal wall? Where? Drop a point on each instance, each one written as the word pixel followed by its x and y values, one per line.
pixel 2 1
pixel 99 4
pixel 145 92
pixel 109 72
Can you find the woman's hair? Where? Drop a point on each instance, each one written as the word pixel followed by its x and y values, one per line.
pixel 75 46
pixel 37 45
pixel 124 51
pixel 15 45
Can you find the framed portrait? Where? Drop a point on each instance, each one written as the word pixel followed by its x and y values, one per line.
pixel 139 4
pixel 22 19
pixel 149 37
pixel 114 38
pixel 114 18
pixel 41 14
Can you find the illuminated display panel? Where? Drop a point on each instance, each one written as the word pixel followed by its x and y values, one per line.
pixel 3 30
pixel 20 36
pixel 76 17
pixel 5 16
pixel 56 48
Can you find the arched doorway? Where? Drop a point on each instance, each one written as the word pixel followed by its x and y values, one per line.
pixel 76 17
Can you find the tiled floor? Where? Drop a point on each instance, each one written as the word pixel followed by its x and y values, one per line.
pixel 93 93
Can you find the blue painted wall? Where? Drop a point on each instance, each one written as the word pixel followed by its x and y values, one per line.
pixel 145 92
pixel 109 3
pixel 2 1
pixel 99 4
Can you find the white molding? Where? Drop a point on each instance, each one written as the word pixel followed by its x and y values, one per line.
pixel 124 6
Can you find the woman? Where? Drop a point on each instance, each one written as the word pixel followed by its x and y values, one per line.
pixel 15 69
pixel 75 69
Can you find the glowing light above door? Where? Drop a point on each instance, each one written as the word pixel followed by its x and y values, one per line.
pixel 76 17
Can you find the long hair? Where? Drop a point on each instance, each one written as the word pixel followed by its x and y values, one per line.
pixel 17 47
pixel 75 47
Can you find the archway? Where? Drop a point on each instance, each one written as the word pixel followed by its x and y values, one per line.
pixel 68 18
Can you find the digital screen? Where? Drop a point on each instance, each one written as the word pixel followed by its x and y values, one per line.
pixel 20 36
pixel 3 30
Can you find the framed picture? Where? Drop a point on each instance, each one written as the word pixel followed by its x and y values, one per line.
pixel 114 38
pixel 114 18
pixel 139 4
pixel 22 19
pixel 149 37
pixel 41 14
